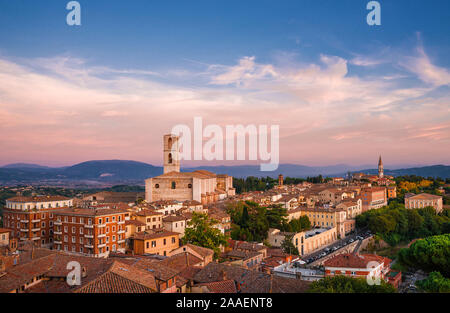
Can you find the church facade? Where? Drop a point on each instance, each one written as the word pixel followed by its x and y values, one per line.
pixel 202 186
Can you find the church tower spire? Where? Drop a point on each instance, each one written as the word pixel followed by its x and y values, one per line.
pixel 380 168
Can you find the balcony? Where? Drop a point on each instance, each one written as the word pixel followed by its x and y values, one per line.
pixel 89 236
pixel 36 229
pixel 120 241
pixel 23 238
pixel 36 221
pixel 36 238
pixel 89 225
pixel 121 222
pixel 90 246
pixel 101 235
pixel 57 232
pixel 101 225
pixel 24 230
pixel 121 231
pixel 102 245
pixel 57 242
pixel 24 221
pixel 59 223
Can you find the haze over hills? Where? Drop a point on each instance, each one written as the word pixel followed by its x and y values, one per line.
pixel 132 172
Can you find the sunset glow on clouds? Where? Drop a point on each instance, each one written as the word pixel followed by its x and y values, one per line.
pixel 341 91
pixel 61 108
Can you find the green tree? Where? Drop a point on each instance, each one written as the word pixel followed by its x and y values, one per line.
pixel 202 233
pixel 345 284
pixel 435 282
pixel 288 246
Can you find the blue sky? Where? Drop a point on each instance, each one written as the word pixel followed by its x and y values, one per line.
pixel 208 55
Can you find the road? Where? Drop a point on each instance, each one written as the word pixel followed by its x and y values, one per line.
pixel 363 233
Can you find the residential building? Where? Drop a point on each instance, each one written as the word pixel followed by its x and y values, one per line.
pixel 424 200
pixel 155 241
pixel 93 232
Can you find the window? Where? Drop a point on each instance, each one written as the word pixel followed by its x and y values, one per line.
pixel 173 240
pixel 153 244
pixel 164 241
pixel 174 185
pixel 74 219
pixel 107 220
pixel 74 239
pixel 156 186
pixel 73 230
pixel 189 185
pixel 170 158
pixel 81 240
pixel 65 238
pixel 81 230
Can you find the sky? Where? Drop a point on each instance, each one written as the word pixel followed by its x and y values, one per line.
pixel 341 91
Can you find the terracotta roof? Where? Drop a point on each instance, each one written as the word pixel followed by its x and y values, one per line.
pixel 148 212
pixel 224 286
pixel 90 212
pixel 37 198
pixel 154 233
pixel 425 196
pixel 354 260
pixel 5 230
pixel 174 218
pixel 204 252
pixel 181 260
pixel 134 222
pixel 250 281
pixel 121 278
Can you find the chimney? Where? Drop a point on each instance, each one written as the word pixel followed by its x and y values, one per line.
pixel 84 272
pixel 223 275
pixel 187 258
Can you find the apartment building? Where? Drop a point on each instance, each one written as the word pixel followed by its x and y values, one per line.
pixel 94 232
pixel 151 218
pixel 175 223
pixel 373 198
pixel 32 218
pixel 4 236
pixel 424 200
pixel 155 241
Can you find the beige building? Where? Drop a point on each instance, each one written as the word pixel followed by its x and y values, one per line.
pixel 306 242
pixel 424 200
pixel 152 219
pixel 202 186
pixel 175 223
pixel 4 237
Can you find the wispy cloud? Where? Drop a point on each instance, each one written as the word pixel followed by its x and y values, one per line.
pixel 63 108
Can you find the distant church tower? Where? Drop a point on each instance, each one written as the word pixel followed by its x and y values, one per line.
pixel 171 155
pixel 380 168
pixel 280 180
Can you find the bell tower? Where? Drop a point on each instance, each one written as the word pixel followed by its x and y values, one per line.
pixel 380 168
pixel 171 155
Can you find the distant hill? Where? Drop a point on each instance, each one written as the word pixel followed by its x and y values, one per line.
pixel 126 172
pixel 24 165
pixel 442 171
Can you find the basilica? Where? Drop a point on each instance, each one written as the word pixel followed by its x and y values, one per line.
pixel 202 186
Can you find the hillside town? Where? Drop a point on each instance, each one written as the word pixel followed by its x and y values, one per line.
pixel 133 242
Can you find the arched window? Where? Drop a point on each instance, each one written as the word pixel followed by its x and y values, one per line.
pixel 156 185
pixel 189 185
pixel 169 143
pixel 174 185
pixel 170 158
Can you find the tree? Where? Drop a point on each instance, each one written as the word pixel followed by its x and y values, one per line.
pixel 288 246
pixel 202 233
pixel 435 282
pixel 429 254
pixel 345 284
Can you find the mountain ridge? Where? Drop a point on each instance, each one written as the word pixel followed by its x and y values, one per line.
pixel 134 171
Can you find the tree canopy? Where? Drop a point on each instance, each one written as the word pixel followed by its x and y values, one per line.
pixel 345 284
pixel 202 233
